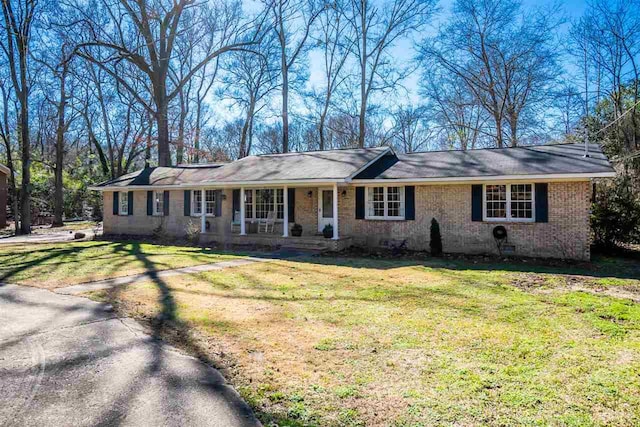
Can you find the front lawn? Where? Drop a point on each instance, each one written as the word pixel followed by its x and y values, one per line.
pixel 333 341
pixel 61 264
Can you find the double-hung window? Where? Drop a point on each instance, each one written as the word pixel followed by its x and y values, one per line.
pixel 158 202
pixel 509 202
pixel 196 202
pixel 124 203
pixel 259 202
pixel 385 203
pixel 209 202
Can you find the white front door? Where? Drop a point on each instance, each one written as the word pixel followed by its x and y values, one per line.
pixel 325 208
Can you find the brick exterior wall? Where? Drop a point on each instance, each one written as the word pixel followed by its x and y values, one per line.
pixel 566 235
pixel 3 200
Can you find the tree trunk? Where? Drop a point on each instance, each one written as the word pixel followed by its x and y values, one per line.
pixel 25 194
pixel 180 142
pixel 58 199
pixel 162 121
pixel 363 76
pixel 196 140
pixel 285 109
pixel 164 155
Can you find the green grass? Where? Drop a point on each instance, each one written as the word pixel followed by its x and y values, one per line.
pixel 61 264
pixel 335 341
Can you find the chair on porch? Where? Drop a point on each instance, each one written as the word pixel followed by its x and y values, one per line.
pixel 235 221
pixel 267 223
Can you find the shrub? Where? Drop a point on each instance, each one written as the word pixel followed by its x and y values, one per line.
pixel 193 233
pixel 435 242
pixel 615 214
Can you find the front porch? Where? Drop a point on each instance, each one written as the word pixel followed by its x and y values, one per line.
pixel 278 241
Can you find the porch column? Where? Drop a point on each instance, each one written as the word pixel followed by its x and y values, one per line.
pixel 203 220
pixel 243 231
pixel 335 211
pixel 285 224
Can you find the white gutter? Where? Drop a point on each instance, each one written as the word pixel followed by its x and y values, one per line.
pixel 224 184
pixel 463 179
pixel 5 170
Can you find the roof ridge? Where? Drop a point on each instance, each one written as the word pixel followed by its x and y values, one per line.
pixel 317 151
pixel 496 148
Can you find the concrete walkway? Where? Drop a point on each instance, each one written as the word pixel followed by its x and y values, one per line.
pixel 143 277
pixel 69 361
pixel 50 237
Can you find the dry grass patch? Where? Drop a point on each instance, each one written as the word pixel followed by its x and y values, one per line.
pixel 362 342
pixel 52 266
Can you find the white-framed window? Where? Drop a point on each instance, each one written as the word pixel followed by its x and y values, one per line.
pixel 248 204
pixel 158 202
pixel 259 202
pixel 209 202
pixel 384 203
pixel 509 202
pixel 196 202
pixel 124 203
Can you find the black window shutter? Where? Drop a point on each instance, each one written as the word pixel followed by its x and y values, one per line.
pixel 291 200
pixel 116 202
pixel 476 202
pixel 130 200
pixel 149 202
pixel 187 202
pixel 165 203
pixel 218 197
pixel 359 202
pixel 542 202
pixel 409 202
pixel 236 204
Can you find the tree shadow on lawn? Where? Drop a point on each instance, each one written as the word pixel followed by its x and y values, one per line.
pixel 601 266
pixel 165 326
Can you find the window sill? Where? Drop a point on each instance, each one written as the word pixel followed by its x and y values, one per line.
pixel 508 221
pixel 200 216
pixel 382 218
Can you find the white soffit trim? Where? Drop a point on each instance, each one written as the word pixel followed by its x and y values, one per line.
pixel 5 170
pixel 238 184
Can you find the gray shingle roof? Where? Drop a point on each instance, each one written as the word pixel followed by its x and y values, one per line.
pixel 338 165
pixel 318 165
pixel 534 160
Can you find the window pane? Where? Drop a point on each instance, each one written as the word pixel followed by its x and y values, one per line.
pixel 159 202
pixel 521 201
pixel 378 201
pixel 248 205
pixel 327 203
pixel 280 203
pixel 124 202
pixel 264 202
pixel 394 201
pixel 197 202
pixel 496 199
pixel 210 196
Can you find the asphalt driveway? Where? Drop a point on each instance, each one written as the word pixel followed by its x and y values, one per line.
pixel 66 360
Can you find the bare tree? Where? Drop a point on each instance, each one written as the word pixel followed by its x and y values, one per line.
pixel 18 22
pixel 335 41
pixel 292 25
pixel 506 59
pixel 144 35
pixel 411 131
pixel 377 28
pixel 249 80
